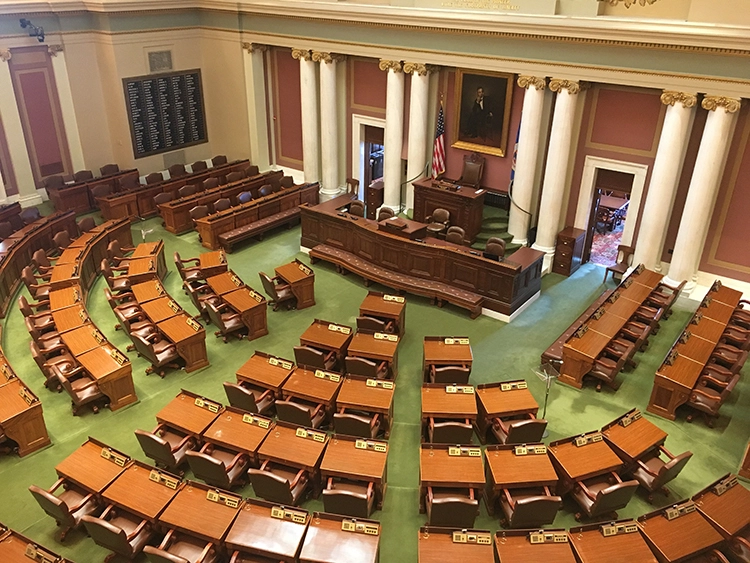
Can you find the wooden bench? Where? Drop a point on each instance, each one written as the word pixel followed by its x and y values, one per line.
pixel 435 290
pixel 288 217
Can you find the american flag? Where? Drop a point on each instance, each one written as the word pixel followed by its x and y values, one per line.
pixel 438 148
pixel 515 157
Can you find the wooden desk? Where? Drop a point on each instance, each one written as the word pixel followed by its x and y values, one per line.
pixel 69 318
pixel 436 546
pixel 438 403
pixel 82 339
pixel 88 469
pixel 301 278
pixel 356 394
pixel 437 353
pixel 633 441
pixel 161 308
pixel 256 531
pixel 69 256
pixel 375 305
pixel 190 342
pixel 264 371
pixel 224 282
pixel 231 431
pixel 365 345
pixel 305 385
pixel 113 373
pixel 465 205
pixel 494 402
pixel 575 463
pixel 193 513
pixel 513 546
pixel 182 413
pixel 592 546
pixel 438 469
pixel 85 239
pixel 402 227
pixel 321 336
pixel 62 298
pixel 326 542
pixel 212 263
pixel 282 445
pixel 728 512
pixel 134 491
pixel 343 459
pixel 64 275
pixel 506 470
pixel 21 417
pixel 141 270
pixel 675 540
pixel 15 548
pixel 148 291
pixel 251 306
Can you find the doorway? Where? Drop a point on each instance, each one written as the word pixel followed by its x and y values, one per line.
pixel 368 134
pixel 607 221
pixel 373 154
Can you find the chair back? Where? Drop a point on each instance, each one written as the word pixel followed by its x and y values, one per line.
pixel 361 366
pixel 345 502
pixel 61 239
pixel 265 190
pixel 53 182
pixel 371 323
pixel 268 286
pixel 177 170
pixel 163 197
pixel 107 535
pixel 106 271
pixel 357 208
pixel 156 448
pixel 86 224
pixel 286 182
pixel 625 254
pixel 154 178
pixel 27 275
pixel 102 190
pixel 310 357
pixel 452 374
pixel 352 186
pixel 532 512
pixel 385 213
pixel 29 215
pixel 208 469
pixel 108 169
pixel 352 425
pixel 210 183
pixel 295 413
pixel 235 176
pixel 215 316
pixel 455 235
pixel 199 166
pixel 6 229
pixel 271 487
pixel 240 397
pixel 198 212
pixel 83 175
pixel 613 498
pixel 244 197
pixel 129 182
pixel 495 248
pixel 473 170
pixel 156 555
pixel 23 305
pixel 441 215
pixel 222 204
pixel 53 506
pixel 526 431
pixel 187 190
pixel 114 250
pixel 453 512
pixel 144 348
pixel 219 159
pixel 451 432
pixel 671 469
pixel 251 171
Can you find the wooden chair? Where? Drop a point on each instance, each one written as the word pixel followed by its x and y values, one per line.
pixel 177 170
pixel 473 170
pixel 624 261
pixel 218 466
pixel 278 483
pixel 352 186
pixel 68 507
pixel 167 446
pixel 452 508
pixel 529 507
pixel 177 547
pixel 279 293
pixel 349 498
pixel 109 169
pixel 248 398
pixel 119 531
pixel 154 178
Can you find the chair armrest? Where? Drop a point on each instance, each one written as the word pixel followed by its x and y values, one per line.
pixel 235 460
pixel 92 383
pixel 181 443
pixel 509 498
pixel 431 423
pixel 330 355
pixel 126 296
pixel 646 469
pixel 707 395
pixel 264 465
pixel 666 452
pixel 110 508
pixel 265 393
pixel 127 249
pixel 195 261
pixel 429 494
pixel 382 365
pixel 204 553
pixel 164 545
pixel 586 490
pixel 297 478
pixel 499 422
pixel 375 421
pixel 83 501
pixel 56 485
pixel 713 381
pixel 137 530
pixel 370 489
pixel 319 407
pixel 616 477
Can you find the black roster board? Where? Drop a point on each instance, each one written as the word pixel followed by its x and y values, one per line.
pixel 165 111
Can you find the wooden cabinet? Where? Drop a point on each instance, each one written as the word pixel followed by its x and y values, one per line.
pixel 464 204
pixel 374 198
pixel 568 251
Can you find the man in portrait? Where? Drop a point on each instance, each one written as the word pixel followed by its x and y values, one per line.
pixel 479 122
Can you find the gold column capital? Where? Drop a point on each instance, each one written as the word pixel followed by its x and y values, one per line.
pixel 629 3
pixel 253 47
pixel 421 69
pixel 302 54
pixel 386 65
pixel 572 86
pixel 52 50
pixel 670 98
pixel 529 81
pixel 328 58
pixel 730 105
pixel 5 55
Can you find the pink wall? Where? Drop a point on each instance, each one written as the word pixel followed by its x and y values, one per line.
pixel 365 95
pixel 287 115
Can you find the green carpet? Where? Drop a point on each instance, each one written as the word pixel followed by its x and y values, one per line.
pixel 501 352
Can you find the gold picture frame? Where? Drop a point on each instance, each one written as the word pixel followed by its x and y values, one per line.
pixel 482 119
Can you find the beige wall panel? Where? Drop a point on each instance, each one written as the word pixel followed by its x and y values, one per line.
pixel 732 12
pixel 663 9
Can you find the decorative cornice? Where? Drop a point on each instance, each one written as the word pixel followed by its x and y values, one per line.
pixel 54 49
pixel 395 66
pixel 629 3
pixel 535 81
pixel 572 86
pixel 730 105
pixel 300 54
pixel 328 58
pixel 253 47
pixel 420 68
pixel 670 98
pixel 5 55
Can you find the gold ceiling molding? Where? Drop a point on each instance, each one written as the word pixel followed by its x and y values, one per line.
pixel 54 49
pixel 253 47
pixel 670 98
pixel 526 82
pixel 629 3
pixel 712 103
pixel 395 66
pixel 328 58
pixel 572 86
pixel 5 55
pixel 301 54
pixel 420 68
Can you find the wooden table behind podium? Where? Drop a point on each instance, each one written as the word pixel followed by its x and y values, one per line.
pixel 464 204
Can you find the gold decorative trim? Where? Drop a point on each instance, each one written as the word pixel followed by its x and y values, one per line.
pixel 253 47
pixel 730 105
pixel 572 86
pixel 54 49
pixel 527 81
pixel 629 3
pixel 670 98
pixel 301 54
pixel 395 66
pixel 328 58
pixel 420 68
pixel 5 55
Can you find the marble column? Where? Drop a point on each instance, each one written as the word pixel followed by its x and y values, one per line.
pixel 394 134
pixel 308 77
pixel 417 150
pixel 704 185
pixel 255 91
pixel 670 155
pixel 526 160
pixel 556 170
pixel 65 96
pixel 329 132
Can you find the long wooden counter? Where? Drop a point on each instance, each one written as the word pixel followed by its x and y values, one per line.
pixel 504 286
pixel 21 417
pixel 77 196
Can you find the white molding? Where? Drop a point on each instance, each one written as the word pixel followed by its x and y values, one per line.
pixel 509 318
pixel 358 146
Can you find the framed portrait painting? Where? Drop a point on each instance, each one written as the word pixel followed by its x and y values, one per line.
pixel 483 111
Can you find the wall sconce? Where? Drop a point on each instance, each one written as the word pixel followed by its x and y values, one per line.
pixel 34 31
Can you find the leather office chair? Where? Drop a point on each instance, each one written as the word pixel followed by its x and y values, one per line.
pixel 245 197
pixel 708 401
pixel 449 432
pixel 129 182
pixel 352 186
pixel 356 423
pixel 188 274
pixel 41 262
pixel 102 190
pixel 43 322
pixel 163 197
pixel 86 224
pixel 49 343
pixel 200 294
pixel 222 204
pixel 736 336
pixel 495 249
pixel 637 333
pixel 450 374
pixel 529 508
pixel 624 261
pixel 248 398
pixel 135 326
pixel 385 213
pixel 452 508
pixel 653 473
pixel 472 172
pixel 286 182
pixel 301 414
pixel 606 369
pixel 235 176
pixel 314 359
pixel 218 467
pixel 265 190
pixel 61 240
pixel 117 284
pixel 6 229
pixel 367 368
pixel 166 446
pixel 187 190
pixel 83 175
pixel 119 531
pixel 714 556
pixel 349 498
pixel 227 322
pixel 739 545
pixel 219 159
pixel 82 389
pixel 68 507
pixel 52 367
pixel 177 170
pixel 438 222
pixel 597 497
pixel 357 208
pixel 30 215
pixel 53 181
pixel 177 547
pixel 116 254
pixel 154 178
pixel 277 483
pixel 455 235
pixel 198 212
pixel 39 291
pixel 108 169
pixel 730 357
pixel 665 296
pixel 210 183
pixel 376 325
pixel 621 348
pixel 251 171
pixel 529 430
pixel 278 292
pixel 199 166
pixel 650 315
pixel 716 376
pixel 161 353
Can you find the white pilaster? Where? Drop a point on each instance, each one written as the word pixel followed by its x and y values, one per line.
pixel 704 185
pixel 394 134
pixel 665 176
pixel 418 115
pixel 310 127
pixel 255 93
pixel 65 96
pixel 526 160
pixel 556 171
pixel 328 124
pixel 3 195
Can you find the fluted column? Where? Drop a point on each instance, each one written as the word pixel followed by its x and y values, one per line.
pixel 665 176
pixel 556 170
pixel 528 153
pixel 329 133
pixel 65 96
pixel 394 134
pixel 308 78
pixel 417 149
pixel 704 185
pixel 255 92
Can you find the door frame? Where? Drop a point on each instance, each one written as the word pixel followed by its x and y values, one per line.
pixel 358 145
